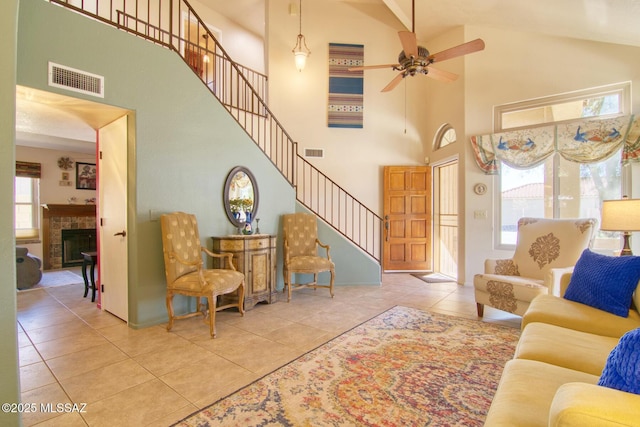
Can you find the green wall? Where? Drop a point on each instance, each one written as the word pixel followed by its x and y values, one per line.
pixel 10 385
pixel 184 145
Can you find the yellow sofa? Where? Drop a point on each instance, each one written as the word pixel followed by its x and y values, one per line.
pixel 552 380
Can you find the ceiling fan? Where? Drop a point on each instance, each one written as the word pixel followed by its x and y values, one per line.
pixel 416 59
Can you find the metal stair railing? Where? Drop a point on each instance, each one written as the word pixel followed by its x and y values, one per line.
pixel 175 25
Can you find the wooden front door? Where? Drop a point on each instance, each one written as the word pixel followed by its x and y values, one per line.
pixel 407 218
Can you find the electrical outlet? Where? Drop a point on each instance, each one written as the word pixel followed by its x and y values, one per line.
pixel 480 214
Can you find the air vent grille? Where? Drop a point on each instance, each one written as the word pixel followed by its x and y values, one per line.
pixel 314 152
pixel 75 80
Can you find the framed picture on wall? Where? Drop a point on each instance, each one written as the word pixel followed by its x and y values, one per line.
pixel 85 176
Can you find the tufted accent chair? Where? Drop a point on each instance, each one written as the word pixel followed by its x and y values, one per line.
pixel 301 252
pixel 546 251
pixel 186 275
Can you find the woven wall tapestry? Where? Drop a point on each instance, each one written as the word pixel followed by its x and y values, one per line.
pixel 345 87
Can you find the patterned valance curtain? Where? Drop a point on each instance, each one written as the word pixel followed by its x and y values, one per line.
pixel 583 141
pixel 28 169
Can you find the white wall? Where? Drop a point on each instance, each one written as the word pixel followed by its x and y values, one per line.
pixel 50 189
pixel 353 157
pixel 244 47
pixel 518 66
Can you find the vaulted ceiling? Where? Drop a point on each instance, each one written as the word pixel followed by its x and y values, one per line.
pixel 612 21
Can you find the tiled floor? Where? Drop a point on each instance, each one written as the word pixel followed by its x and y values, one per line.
pixel 71 352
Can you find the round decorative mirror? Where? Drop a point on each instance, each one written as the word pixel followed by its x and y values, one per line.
pixel 240 196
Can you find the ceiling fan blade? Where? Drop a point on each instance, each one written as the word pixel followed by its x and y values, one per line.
pixel 395 82
pixel 409 43
pixel 463 49
pixel 441 75
pixel 372 67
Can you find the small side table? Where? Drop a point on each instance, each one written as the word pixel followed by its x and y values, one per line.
pixel 89 258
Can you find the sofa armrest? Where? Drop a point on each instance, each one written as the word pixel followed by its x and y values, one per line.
pixel 558 279
pixel 582 404
pixel 491 266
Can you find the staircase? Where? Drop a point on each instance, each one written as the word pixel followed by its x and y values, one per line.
pixel 175 25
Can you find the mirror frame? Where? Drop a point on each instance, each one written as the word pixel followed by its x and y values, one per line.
pixel 227 187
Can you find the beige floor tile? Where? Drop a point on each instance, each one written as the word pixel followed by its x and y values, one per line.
pixel 148 342
pixel 140 405
pixel 270 356
pixel 173 358
pixel 83 361
pixel 224 390
pixel 69 344
pixel 117 331
pixel 49 333
pixel 35 375
pixel 28 355
pixel 258 323
pixel 49 394
pixel 65 419
pixel 100 319
pixel 333 322
pixel 199 380
pixel 106 381
pixel 174 417
pixel 41 320
pixel 23 338
pixel 298 336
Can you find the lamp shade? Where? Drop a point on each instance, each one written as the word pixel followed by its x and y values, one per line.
pixel 621 215
pixel 301 60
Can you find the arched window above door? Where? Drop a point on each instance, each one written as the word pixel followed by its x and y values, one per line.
pixel 446 135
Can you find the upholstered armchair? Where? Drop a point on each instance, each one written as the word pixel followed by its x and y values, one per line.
pixel 28 269
pixel 546 251
pixel 301 247
pixel 186 274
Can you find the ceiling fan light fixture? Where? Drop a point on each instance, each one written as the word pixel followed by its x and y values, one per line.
pixel 300 50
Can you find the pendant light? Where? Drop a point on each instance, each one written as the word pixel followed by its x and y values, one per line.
pixel 301 51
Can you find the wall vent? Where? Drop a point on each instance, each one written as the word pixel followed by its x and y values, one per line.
pixel 76 80
pixel 314 152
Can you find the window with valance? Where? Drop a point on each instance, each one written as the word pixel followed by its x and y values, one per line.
pixel 581 141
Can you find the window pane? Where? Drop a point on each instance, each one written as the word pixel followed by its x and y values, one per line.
pixel 26 208
pixel 24 216
pixel 23 190
pixel 523 194
pixel 560 111
pixel 583 187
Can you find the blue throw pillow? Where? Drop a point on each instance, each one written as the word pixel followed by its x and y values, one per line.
pixel 604 282
pixel 622 370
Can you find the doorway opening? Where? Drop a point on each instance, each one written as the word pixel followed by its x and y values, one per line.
pixel 445 218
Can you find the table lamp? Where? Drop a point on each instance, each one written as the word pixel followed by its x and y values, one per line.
pixel 621 215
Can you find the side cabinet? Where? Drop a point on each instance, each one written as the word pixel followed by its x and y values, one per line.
pixel 255 257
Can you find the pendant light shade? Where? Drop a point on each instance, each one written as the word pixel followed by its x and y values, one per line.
pixel 300 50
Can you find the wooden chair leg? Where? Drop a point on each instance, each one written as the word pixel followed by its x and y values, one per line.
pixel 170 311
pixel 332 272
pixel 212 316
pixel 480 308
pixel 241 298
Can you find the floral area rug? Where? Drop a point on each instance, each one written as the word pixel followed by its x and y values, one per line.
pixel 405 367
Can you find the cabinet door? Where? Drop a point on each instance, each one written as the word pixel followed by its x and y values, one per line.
pixel 259 270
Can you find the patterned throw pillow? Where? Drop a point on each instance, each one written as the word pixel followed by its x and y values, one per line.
pixel 604 282
pixel 622 370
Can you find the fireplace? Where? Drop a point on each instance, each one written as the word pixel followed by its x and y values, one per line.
pixel 56 218
pixel 74 242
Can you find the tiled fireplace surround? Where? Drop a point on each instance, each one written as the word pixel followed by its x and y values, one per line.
pixel 56 218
